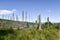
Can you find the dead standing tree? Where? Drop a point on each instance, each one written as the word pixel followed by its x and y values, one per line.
pixel 22 18
pixel 48 22
pixel 39 22
pixel 16 18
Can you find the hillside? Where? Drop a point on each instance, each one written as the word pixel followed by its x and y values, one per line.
pixel 16 24
pixel 20 24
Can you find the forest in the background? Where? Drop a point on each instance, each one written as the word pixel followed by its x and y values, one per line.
pixel 46 33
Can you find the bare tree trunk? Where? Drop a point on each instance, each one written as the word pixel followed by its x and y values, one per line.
pixel 39 22
pixel 48 22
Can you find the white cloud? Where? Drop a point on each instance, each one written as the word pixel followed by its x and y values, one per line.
pixel 7 11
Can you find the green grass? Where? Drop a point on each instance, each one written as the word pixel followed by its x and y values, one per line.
pixel 29 34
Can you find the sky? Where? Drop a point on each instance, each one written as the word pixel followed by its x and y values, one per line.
pixel 45 8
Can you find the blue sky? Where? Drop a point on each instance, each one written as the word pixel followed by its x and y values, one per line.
pixel 46 8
